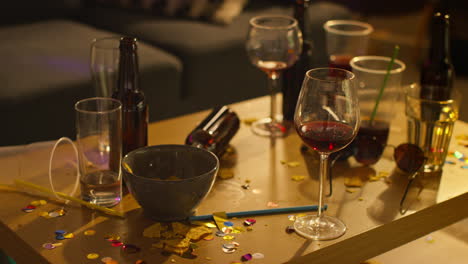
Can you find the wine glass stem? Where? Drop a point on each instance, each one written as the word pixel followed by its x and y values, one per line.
pixel 323 176
pixel 273 85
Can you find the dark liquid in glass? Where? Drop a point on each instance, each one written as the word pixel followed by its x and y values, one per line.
pixel 370 141
pixel 340 61
pixel 325 136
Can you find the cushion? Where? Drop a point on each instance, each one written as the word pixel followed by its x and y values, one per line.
pixel 47 70
pixel 217 11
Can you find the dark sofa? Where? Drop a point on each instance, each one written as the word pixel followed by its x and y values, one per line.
pixel 186 65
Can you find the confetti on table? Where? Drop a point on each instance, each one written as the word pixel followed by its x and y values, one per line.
pixel 249 221
pixel 106 259
pixel 228 237
pixel 249 121
pixel 227 230
pixel 350 190
pixel 129 248
pixel 429 239
pixel 111 237
pixel 249 228
pixel 51 245
pixel 272 205
pixel 153 231
pixel 247 257
pixel 450 162
pixel 245 186
pixel 360 199
pixel 258 256
pixel 380 175
pixel 89 232
pixel 228 223
pixel 297 177
pixel 220 233
pixel 116 243
pixel 68 235
pixel 290 229
pixel 92 256
pixel 225 173
pixel 462 137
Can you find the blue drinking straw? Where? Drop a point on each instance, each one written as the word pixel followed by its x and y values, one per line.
pixel 261 212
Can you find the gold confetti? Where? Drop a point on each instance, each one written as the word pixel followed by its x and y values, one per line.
pixel 42 202
pixel 180 228
pixel 153 231
pixel 92 256
pixel 228 238
pixel 226 173
pixel 249 121
pixel 360 199
pixel 35 203
pixel 349 190
pixel 69 235
pixel 89 232
pixel 249 228
pixel 208 258
pixel 197 233
pixel 297 177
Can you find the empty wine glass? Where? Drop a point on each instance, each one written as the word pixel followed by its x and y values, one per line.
pixel 327 120
pixel 274 43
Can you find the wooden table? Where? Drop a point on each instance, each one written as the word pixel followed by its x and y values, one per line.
pixel 370 213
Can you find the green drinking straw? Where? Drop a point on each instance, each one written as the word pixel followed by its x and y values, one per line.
pixel 389 69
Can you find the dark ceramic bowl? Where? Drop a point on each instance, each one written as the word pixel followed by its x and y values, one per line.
pixel 169 181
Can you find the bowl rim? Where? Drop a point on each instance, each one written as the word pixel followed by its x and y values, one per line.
pixel 181 146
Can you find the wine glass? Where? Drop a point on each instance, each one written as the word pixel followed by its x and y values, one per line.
pixel 274 43
pixel 327 120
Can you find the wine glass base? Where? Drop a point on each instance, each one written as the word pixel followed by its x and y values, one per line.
pixel 266 128
pixel 319 228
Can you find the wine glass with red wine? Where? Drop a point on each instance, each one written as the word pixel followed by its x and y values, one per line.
pixel 274 43
pixel 327 120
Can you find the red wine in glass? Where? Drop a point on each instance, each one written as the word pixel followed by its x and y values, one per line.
pixel 370 141
pixel 340 61
pixel 326 136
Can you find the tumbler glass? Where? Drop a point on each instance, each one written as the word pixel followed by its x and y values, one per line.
pixel 432 132
pixel 373 133
pixel 346 39
pixel 99 143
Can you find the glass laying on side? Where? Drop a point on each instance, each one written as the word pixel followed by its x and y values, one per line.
pixel 98 149
pixel 378 95
pixel 430 125
pixel 327 120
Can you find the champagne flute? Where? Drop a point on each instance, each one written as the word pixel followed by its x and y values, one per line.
pixel 327 120
pixel 274 43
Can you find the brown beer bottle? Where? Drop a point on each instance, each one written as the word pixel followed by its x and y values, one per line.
pixel 134 106
pixel 215 131
pixel 437 73
pixel 293 76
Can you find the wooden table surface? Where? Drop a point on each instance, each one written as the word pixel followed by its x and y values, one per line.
pixel 370 213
